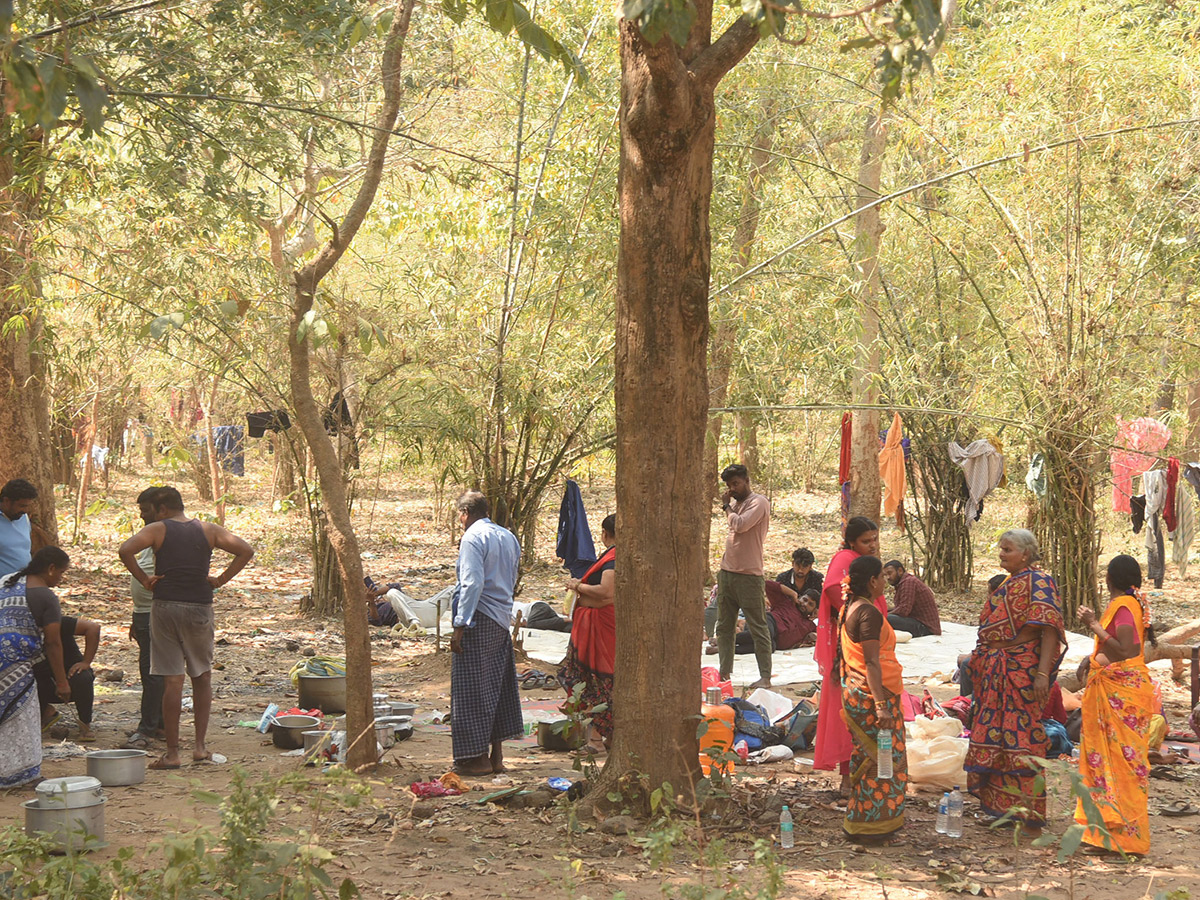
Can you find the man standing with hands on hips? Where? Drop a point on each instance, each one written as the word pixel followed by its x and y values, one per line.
pixel 181 617
pixel 740 580
pixel 485 706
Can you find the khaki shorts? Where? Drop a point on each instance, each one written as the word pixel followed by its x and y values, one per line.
pixel 181 638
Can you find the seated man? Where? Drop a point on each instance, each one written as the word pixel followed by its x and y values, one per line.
pixel 802 577
pixel 914 608
pixel 78 667
pixel 789 620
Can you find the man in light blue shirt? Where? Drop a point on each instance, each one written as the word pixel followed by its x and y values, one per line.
pixel 484 700
pixel 17 499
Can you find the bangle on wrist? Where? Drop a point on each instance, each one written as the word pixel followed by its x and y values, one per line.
pixel 1043 674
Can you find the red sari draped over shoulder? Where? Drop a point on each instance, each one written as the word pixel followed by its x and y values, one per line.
pixel 594 629
pixel 833 747
pixel 592 651
pixel 1006 718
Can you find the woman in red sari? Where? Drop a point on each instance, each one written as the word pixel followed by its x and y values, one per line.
pixel 591 653
pixel 1019 649
pixel 833 747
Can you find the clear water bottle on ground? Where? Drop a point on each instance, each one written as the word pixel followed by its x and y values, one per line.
pixel 884 742
pixel 954 814
pixel 787 840
pixel 943 813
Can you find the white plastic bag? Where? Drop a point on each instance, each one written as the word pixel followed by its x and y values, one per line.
pixel 923 728
pixel 937 762
pixel 776 753
pixel 775 704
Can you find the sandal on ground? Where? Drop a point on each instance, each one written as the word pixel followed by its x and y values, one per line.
pixel 137 741
pixel 50 723
pixel 1166 773
pixel 1178 808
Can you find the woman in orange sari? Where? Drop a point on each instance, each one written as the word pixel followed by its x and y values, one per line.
pixel 833 747
pixel 1020 636
pixel 872 683
pixel 1117 706
pixel 591 653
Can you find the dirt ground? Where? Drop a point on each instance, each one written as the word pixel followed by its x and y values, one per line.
pixel 395 847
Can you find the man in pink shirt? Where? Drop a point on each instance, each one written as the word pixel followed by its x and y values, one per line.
pixel 740 581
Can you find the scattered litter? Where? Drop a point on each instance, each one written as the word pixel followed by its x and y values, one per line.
pixel 429 789
pixel 559 784
pixel 64 750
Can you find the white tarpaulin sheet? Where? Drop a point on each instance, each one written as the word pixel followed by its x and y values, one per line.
pixel 920 657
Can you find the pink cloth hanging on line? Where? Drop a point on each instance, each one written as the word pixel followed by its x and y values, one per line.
pixel 1135 439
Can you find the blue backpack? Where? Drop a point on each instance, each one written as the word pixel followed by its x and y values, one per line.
pixel 752 725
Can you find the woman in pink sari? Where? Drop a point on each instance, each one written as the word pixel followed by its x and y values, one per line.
pixel 833 745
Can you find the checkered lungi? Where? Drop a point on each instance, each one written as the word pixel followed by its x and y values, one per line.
pixel 485 705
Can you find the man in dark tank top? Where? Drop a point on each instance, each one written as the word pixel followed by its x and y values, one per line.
pixel 181 617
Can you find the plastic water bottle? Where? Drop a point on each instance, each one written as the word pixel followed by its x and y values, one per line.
pixel 884 741
pixel 943 812
pixel 742 749
pixel 954 814
pixel 787 840
pixel 264 724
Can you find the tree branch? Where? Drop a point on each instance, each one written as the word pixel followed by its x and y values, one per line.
pixel 726 52
pixel 311 274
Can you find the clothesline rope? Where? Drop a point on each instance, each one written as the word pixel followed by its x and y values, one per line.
pixel 1098 443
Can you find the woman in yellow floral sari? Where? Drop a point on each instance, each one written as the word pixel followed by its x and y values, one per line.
pixel 1117 707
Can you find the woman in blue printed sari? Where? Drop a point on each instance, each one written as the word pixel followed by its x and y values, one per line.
pixel 29 628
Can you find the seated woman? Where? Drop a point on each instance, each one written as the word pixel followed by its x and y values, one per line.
pixel 872 684
pixel 79 675
pixel 1117 706
pixel 587 672
pixel 29 626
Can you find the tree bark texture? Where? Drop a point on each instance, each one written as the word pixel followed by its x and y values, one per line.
pixel 25 443
pixel 723 345
pixel 359 715
pixel 664 189
pixel 864 436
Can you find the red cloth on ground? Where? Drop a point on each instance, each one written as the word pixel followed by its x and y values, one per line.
pixel 791 625
pixel 594 630
pixel 1172 482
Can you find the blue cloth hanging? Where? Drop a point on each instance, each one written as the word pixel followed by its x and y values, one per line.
pixel 574 546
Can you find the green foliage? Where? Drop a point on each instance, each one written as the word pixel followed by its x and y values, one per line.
pixel 508 16
pixel 239 860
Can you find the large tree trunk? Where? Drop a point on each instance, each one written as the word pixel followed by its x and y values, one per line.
pixel 664 186
pixel 864 434
pixel 25 446
pixel 359 718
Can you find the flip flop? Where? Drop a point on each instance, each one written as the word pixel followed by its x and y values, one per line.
pixel 159 765
pixel 1166 773
pixel 137 742
pixel 213 759
pixel 1179 808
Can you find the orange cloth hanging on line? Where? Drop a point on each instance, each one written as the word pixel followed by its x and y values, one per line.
pixel 891 470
